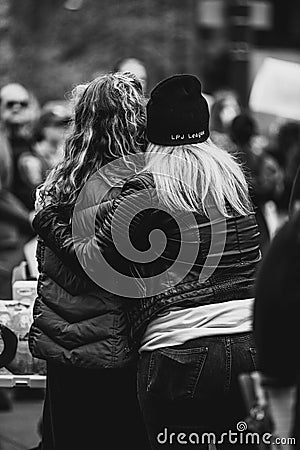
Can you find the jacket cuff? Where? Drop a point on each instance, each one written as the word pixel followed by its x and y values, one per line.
pixel 46 214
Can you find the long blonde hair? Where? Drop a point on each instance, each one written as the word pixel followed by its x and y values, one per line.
pixel 108 123
pixel 196 176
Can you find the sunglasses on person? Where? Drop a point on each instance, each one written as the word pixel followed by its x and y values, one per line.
pixel 11 103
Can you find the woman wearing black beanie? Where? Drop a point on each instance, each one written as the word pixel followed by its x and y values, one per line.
pixel 183 244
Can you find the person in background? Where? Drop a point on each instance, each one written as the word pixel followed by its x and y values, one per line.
pixel 50 133
pixel 80 329
pixel 276 328
pixel 135 66
pixel 264 174
pixel 15 231
pixel 190 306
pixel 294 203
pixel 19 112
pixel 224 109
pixel 285 147
pixel 15 224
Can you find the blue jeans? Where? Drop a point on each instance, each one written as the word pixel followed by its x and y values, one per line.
pixel 194 389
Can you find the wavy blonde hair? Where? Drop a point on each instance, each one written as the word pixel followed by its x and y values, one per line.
pixel 197 176
pixel 108 122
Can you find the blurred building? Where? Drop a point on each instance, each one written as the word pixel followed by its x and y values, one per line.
pixel 69 41
pixel 236 35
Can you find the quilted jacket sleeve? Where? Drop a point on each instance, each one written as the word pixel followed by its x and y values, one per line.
pixel 53 225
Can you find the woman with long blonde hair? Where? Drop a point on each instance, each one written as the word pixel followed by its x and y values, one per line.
pixel 81 330
pixel 183 242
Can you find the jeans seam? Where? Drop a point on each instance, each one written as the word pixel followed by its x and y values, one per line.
pixel 227 364
pixel 201 366
pixel 150 369
pixel 252 355
pixel 185 351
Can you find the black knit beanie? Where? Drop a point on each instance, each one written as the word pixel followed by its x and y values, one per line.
pixel 177 112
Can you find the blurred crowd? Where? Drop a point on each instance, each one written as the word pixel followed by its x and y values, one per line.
pixel 31 143
pixel 270 160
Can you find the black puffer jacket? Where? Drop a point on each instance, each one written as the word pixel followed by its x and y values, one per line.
pixel 75 321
